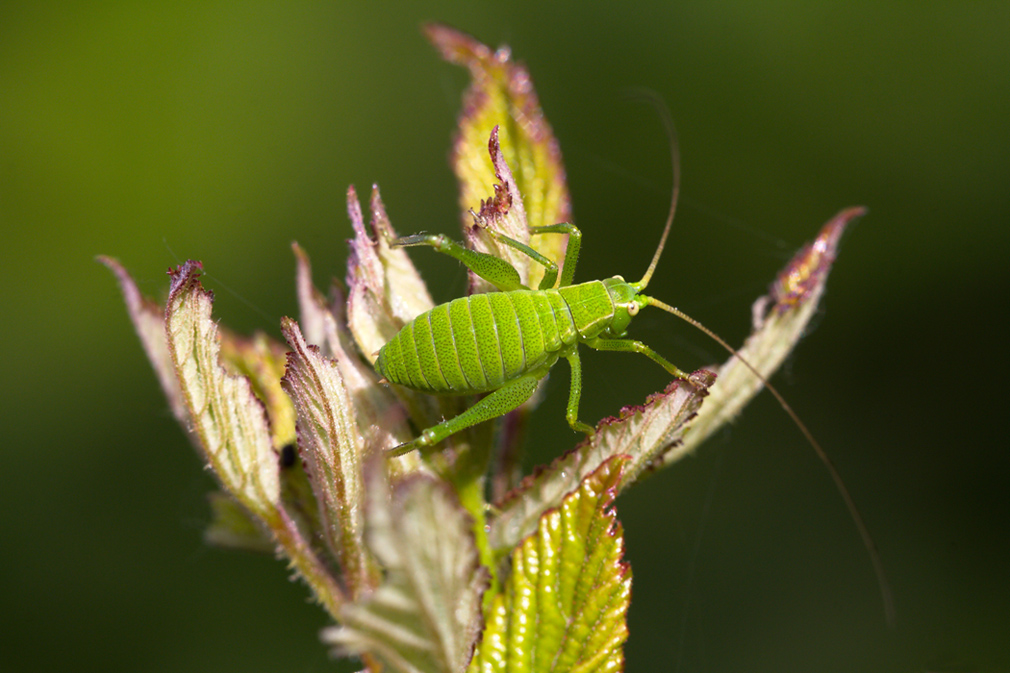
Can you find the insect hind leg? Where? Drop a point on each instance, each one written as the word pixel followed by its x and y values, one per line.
pixel 571 250
pixel 498 403
pixel 574 395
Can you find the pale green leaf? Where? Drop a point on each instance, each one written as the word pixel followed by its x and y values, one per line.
pixel 564 606
pixel 426 615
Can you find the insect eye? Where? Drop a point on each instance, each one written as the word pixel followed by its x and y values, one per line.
pixel 633 309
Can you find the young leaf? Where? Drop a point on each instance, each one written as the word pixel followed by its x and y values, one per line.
pixel 333 447
pixel 232 428
pixel 565 603
pixel 501 94
pixel 426 616
pixel 641 434
pixel 780 320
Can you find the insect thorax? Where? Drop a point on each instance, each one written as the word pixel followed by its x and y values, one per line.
pixel 600 307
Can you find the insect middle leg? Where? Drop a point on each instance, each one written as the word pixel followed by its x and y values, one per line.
pixel 497 403
pixel 551 267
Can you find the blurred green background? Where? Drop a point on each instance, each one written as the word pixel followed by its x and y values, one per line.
pixel 157 132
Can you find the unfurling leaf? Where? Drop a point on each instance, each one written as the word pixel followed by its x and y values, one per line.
pixel 501 94
pixel 425 616
pixel 564 606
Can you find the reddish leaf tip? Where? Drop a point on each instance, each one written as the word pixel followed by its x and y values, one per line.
pixel 454 45
pixel 186 277
pixel 812 263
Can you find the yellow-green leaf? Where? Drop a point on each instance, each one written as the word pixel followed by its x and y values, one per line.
pixel 564 606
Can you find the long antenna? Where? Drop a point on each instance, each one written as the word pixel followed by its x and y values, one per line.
pixel 671 133
pixel 857 518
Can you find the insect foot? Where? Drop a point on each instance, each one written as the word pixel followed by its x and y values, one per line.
pixel 702 379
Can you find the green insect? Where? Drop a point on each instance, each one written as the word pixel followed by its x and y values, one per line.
pixel 502 343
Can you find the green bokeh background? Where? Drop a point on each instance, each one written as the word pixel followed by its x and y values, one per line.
pixel 157 132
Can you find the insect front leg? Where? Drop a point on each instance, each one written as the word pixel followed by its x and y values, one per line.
pixel 632 346
pixel 496 404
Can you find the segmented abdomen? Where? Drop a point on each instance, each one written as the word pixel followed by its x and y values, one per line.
pixel 476 344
